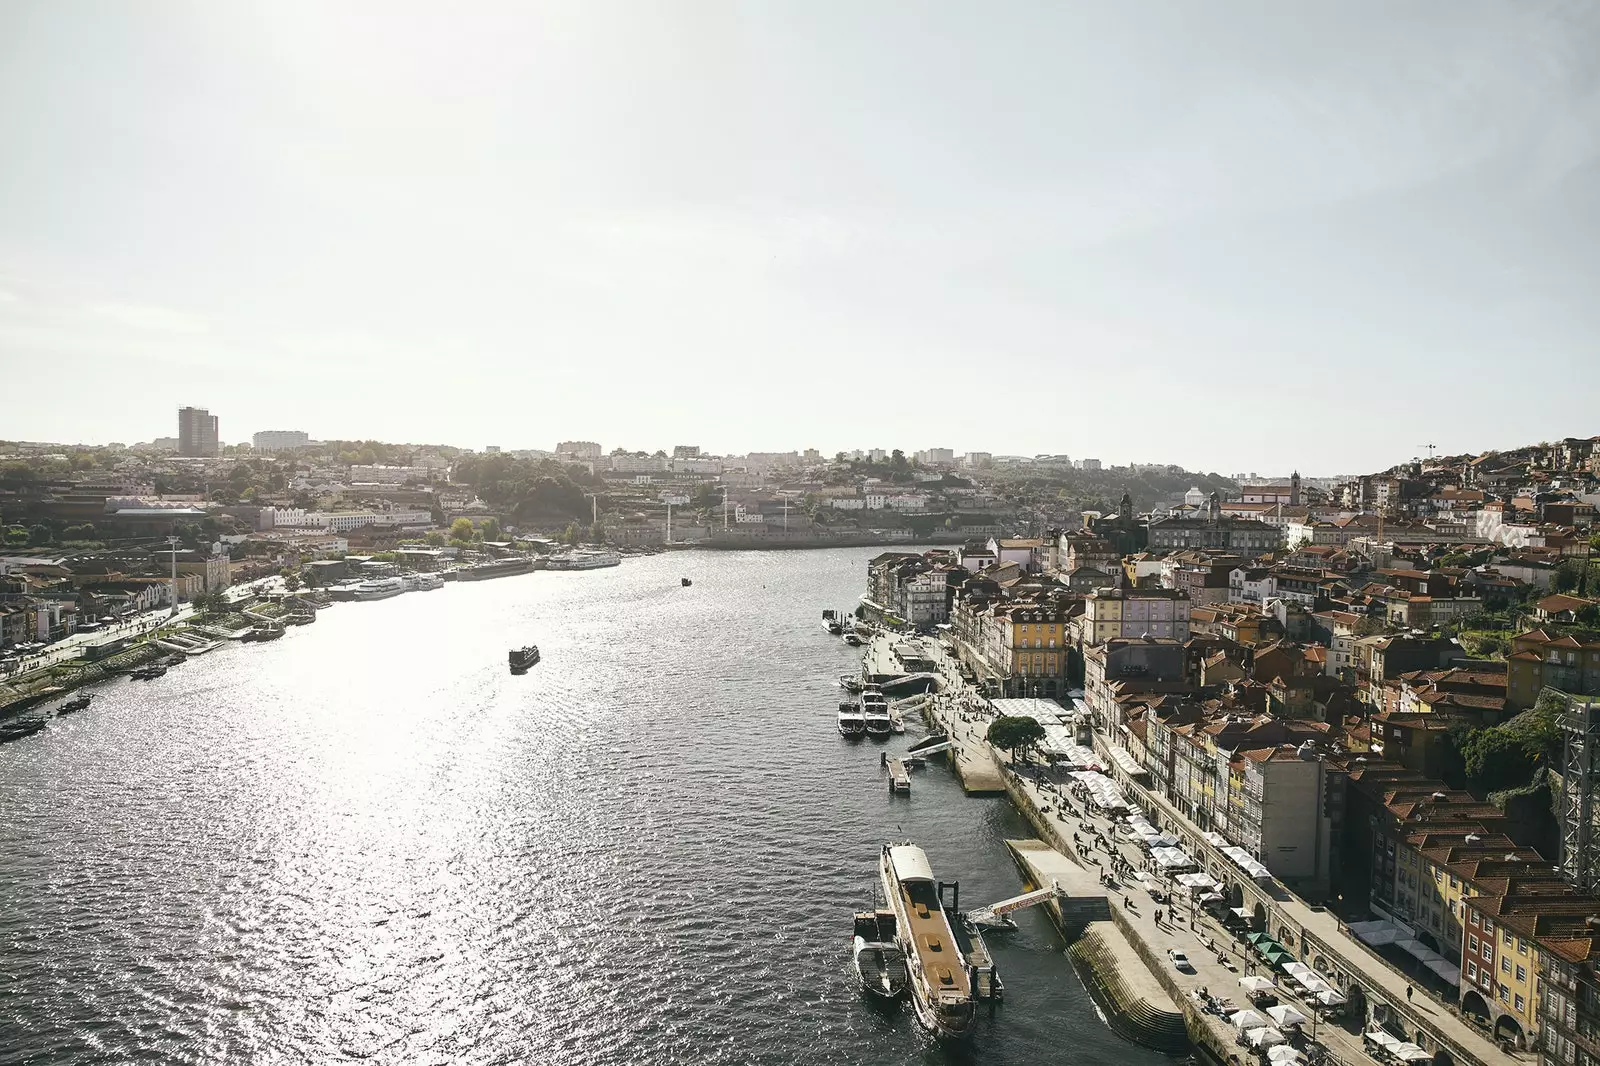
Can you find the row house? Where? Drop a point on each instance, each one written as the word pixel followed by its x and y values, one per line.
pixel 1025 647
pixel 1251 584
pixel 1259 782
pixel 1540 659
pixel 1122 666
pixel 1112 613
pixel 1202 576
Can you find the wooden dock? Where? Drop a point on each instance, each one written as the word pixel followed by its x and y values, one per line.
pixel 899 775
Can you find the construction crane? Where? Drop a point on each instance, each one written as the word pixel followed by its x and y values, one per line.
pixel 1431 449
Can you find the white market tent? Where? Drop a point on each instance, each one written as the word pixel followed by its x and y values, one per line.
pixel 1247 1019
pixel 1247 862
pixel 1264 1037
pixel 1256 983
pixel 1375 933
pixel 1286 1014
pixel 1408 1052
pixel 1197 881
pixel 1431 959
pixel 1102 790
pixel 1283 1055
pixel 1172 858
pixel 1328 997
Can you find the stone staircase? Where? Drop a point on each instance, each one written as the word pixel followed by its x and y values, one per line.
pixel 1129 1014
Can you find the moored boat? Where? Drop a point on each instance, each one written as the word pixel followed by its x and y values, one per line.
pixel 880 964
pixel 16 730
pixel 850 683
pixel 75 704
pixel 941 986
pixel 875 709
pixel 522 658
pixel 380 588
pixel 831 622
pixel 852 723
pixel 148 673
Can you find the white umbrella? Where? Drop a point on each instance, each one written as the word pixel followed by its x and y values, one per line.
pixel 1255 983
pixel 1285 1014
pixel 1284 1054
pixel 1247 1019
pixel 1409 1052
pixel 1329 998
pixel 1264 1037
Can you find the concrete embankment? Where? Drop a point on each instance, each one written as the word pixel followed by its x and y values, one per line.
pixel 1136 1006
pixel 58 681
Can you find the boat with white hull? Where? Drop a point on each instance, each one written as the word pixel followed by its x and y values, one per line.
pixel 852 723
pixel 880 964
pixel 941 986
pixel 380 588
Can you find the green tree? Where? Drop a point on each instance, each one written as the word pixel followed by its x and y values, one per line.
pixel 461 529
pixel 40 534
pixel 1567 577
pixel 1014 733
pixel 1496 759
pixel 291 578
pixel 571 534
pixel 434 539
pixel 490 528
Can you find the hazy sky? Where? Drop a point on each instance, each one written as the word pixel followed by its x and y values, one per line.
pixel 1234 235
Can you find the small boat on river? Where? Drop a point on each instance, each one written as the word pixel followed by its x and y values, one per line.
pixel 880 964
pixel 20 728
pixel 686 582
pixel 852 723
pixel 522 658
pixel 75 704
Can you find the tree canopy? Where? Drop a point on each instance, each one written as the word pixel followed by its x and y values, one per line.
pixel 1014 733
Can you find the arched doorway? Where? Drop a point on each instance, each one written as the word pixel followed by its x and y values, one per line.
pixel 1258 919
pixel 1356 998
pixel 1507 1027
pixel 1441 1057
pixel 1473 1003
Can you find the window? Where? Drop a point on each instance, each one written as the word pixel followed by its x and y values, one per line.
pixel 1505 937
pixel 1472 944
pixel 1472 970
pixel 1472 920
pixel 1522 946
pixel 1438 875
pixel 1505 994
pixel 1488 926
pixel 1505 965
pixel 1453 882
pixel 1519 1003
pixel 1522 973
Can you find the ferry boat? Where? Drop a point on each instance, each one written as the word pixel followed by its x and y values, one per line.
pixel 831 622
pixel 875 708
pixel 264 632
pixel 421 582
pixel 852 723
pixel 941 987
pixel 523 658
pixel 850 683
pixel 880 963
pixel 853 639
pixel 583 561
pixel 380 588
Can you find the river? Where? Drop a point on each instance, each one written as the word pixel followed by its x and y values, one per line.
pixel 369 842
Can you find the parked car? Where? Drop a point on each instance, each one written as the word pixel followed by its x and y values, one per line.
pixel 1180 960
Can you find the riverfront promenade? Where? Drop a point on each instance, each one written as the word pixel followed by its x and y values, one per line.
pixel 1359 964
pixel 1218 959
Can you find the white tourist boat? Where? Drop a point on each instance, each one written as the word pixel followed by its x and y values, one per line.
pixel 852 723
pixel 941 987
pixel 586 560
pixel 380 588
pixel 421 582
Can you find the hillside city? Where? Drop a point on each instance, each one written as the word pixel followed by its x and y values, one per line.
pixel 1366 682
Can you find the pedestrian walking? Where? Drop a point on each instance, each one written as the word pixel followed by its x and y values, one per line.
pixel 1408 993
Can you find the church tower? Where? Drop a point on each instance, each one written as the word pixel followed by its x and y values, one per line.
pixel 1294 489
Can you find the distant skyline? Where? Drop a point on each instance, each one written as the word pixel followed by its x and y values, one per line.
pixel 1234 236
